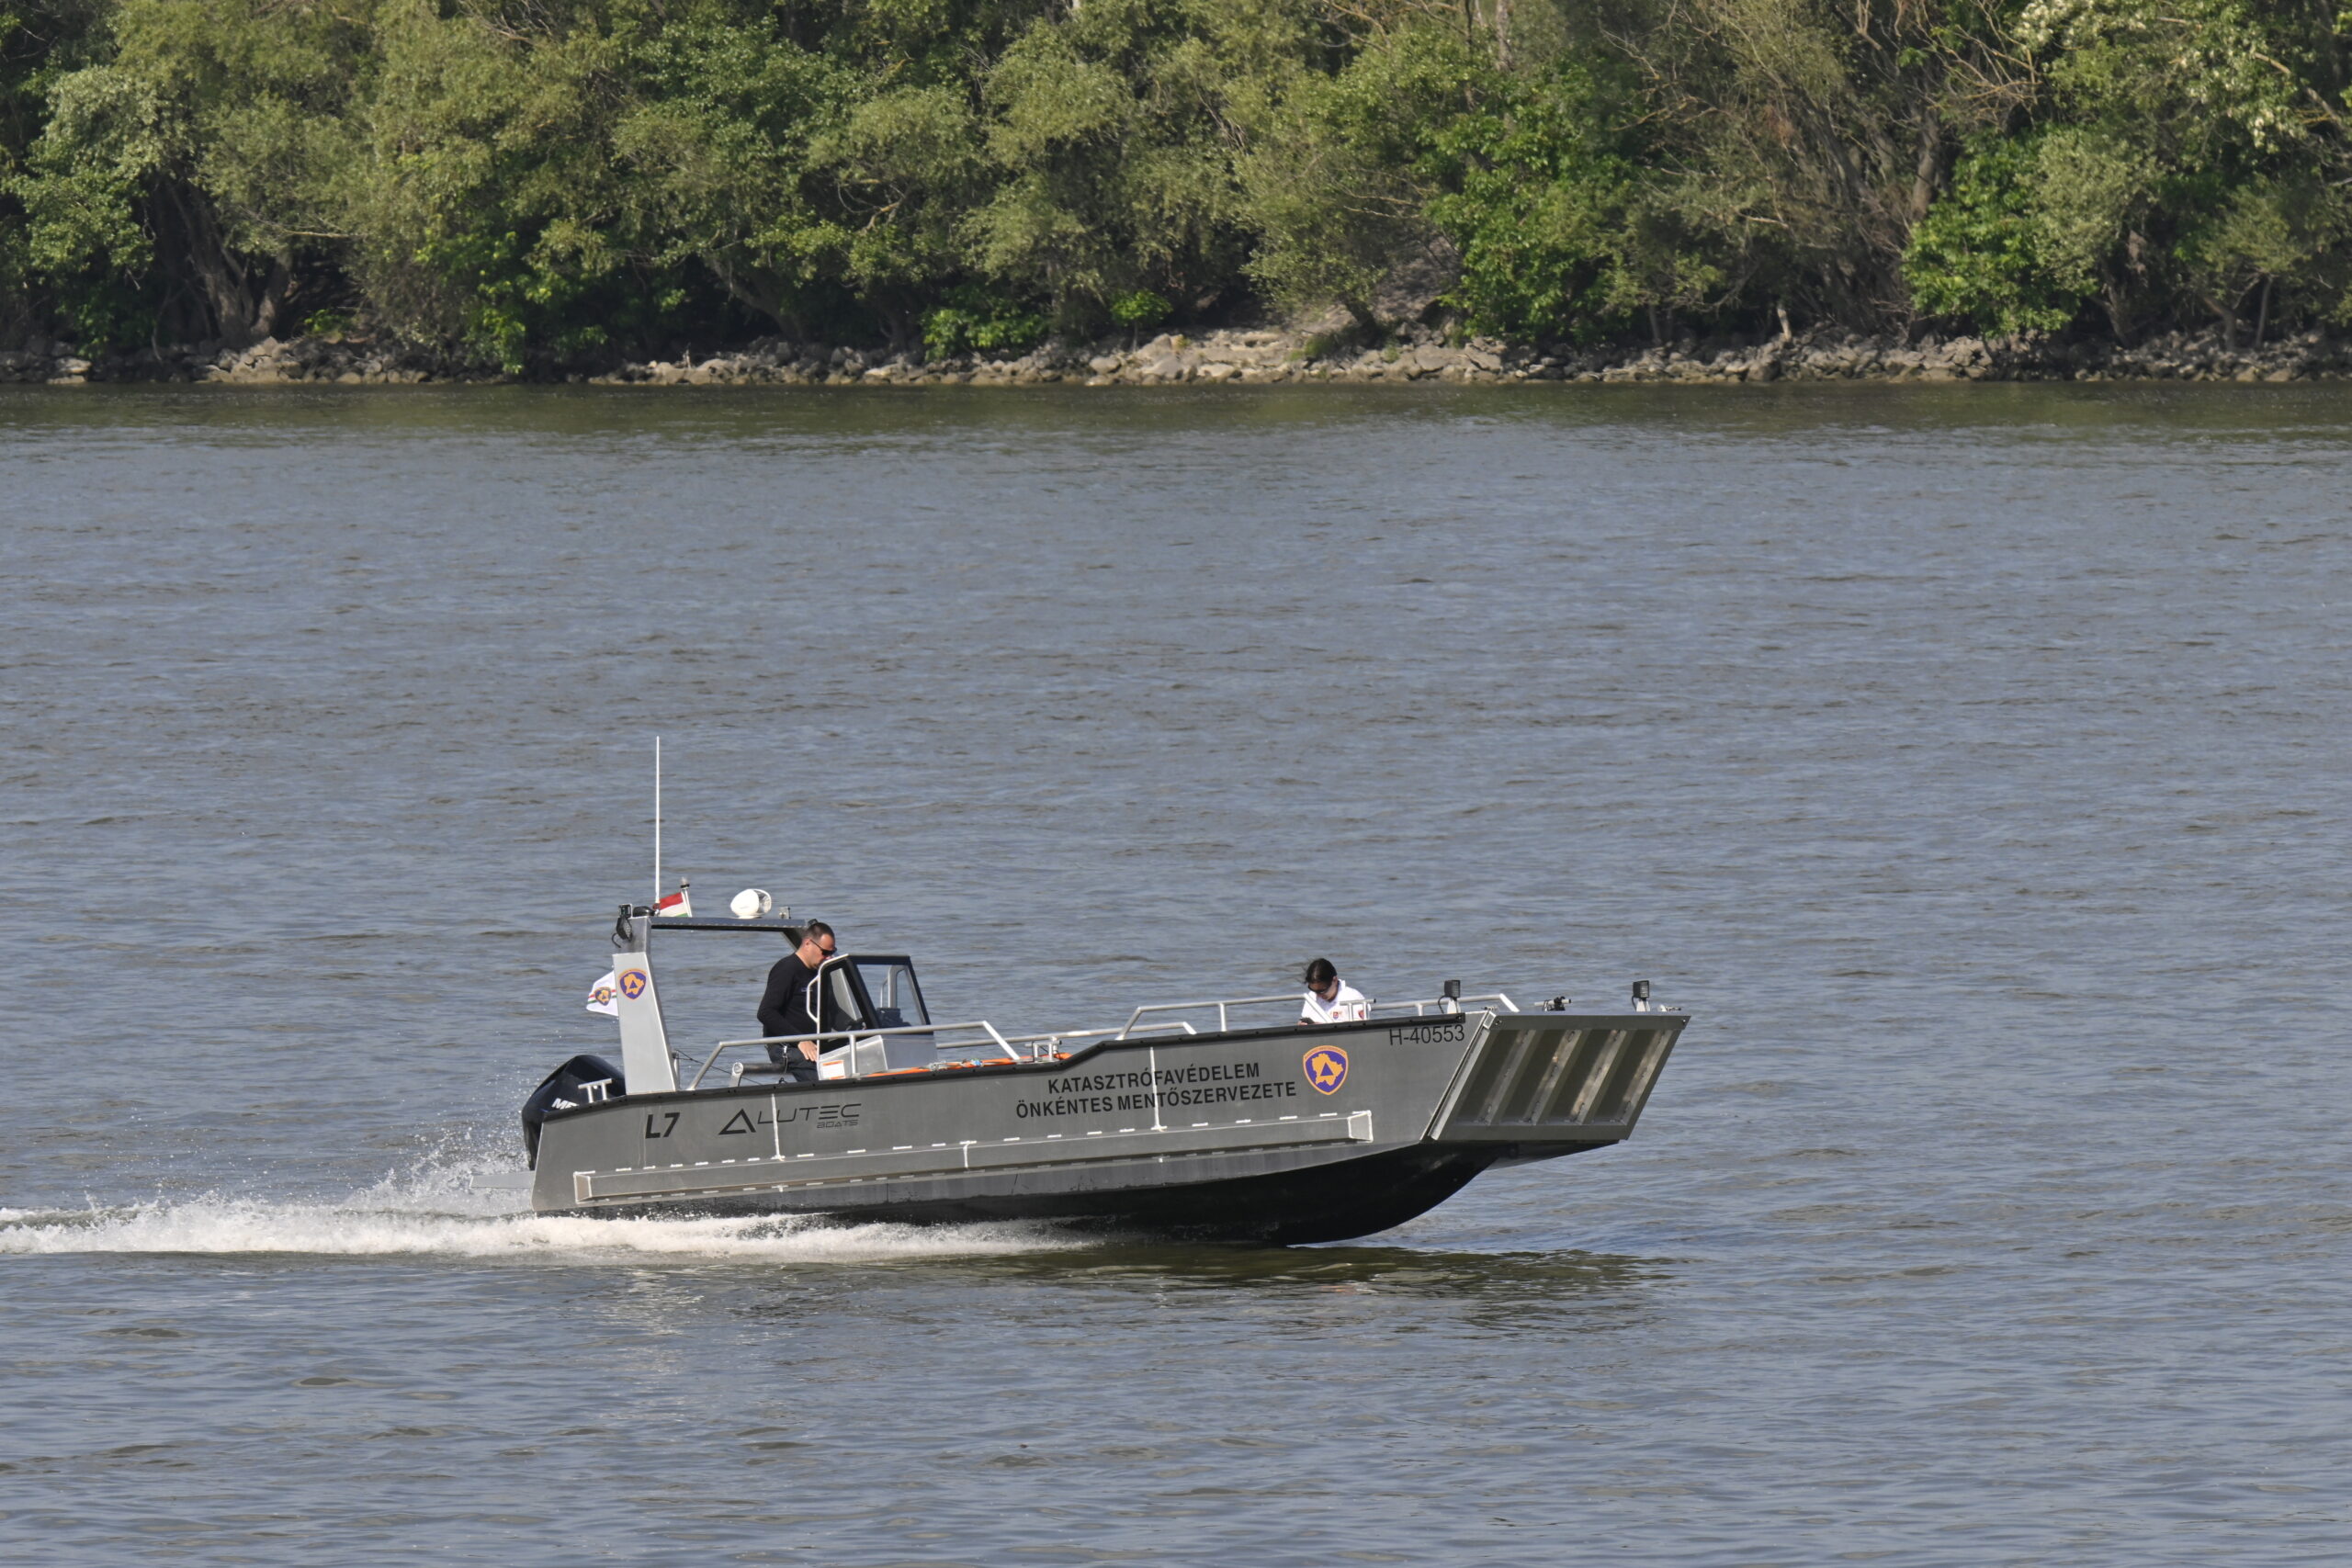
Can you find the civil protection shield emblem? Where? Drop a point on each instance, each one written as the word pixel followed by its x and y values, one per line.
pixel 1326 1069
pixel 633 984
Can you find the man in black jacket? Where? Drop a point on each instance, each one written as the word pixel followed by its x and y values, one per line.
pixel 790 1006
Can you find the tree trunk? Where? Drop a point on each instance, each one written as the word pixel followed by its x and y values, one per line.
pixel 188 232
pixel 273 298
pixel 765 301
pixel 1928 171
pixel 2119 319
pixel 2227 311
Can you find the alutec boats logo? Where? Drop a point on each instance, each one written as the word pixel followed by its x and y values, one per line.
pixel 1326 1069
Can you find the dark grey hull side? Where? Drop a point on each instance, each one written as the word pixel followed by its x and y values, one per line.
pixel 1293 1208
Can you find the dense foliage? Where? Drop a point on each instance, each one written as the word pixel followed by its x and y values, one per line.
pixel 543 179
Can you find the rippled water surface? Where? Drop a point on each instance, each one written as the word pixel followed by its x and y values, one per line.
pixel 1969 761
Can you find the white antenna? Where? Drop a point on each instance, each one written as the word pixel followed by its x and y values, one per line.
pixel 657 819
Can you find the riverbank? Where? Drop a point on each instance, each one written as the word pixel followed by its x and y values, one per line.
pixel 1245 358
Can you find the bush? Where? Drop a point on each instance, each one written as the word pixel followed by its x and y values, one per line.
pixel 1139 311
pixel 974 320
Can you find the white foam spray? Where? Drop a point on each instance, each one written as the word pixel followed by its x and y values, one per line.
pixel 431 1209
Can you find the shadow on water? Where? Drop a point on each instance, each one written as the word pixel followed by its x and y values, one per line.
pixel 1491 1292
pixel 1517 1277
pixel 1479 1292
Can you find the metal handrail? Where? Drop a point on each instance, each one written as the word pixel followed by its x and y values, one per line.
pixel 852 1037
pixel 1041 1043
pixel 1446 1004
pixel 1045 1039
pixel 1421 1009
pixel 1222 1024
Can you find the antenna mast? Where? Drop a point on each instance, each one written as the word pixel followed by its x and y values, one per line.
pixel 657 819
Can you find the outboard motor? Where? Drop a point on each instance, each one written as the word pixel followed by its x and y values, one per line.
pixel 584 1080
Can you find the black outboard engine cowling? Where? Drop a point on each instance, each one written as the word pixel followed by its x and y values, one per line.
pixel 563 1089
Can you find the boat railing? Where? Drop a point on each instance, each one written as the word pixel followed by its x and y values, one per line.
pixel 980 1035
pixel 1428 1005
pixel 1417 1008
pixel 1223 1006
pixel 977 1033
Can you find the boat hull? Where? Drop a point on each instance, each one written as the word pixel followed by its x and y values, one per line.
pixel 1329 1202
pixel 1276 1137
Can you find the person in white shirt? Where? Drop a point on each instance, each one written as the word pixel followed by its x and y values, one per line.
pixel 1331 1000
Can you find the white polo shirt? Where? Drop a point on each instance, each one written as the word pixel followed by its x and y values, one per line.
pixel 1348 1005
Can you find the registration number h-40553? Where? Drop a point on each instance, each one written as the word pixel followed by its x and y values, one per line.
pixel 1437 1031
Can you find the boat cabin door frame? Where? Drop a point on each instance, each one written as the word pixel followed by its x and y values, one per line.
pixel 871 990
pixel 646 1062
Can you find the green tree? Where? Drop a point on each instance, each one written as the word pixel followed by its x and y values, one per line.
pixel 1796 142
pixel 493 210
pixel 1984 255
pixel 2192 152
pixel 1543 210
pixel 721 133
pixel 545 179
pixel 1109 171
pixel 181 183
pixel 1341 170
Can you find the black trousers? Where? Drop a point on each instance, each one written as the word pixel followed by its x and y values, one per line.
pixel 796 1067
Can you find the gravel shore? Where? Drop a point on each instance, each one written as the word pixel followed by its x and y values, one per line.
pixel 1247 358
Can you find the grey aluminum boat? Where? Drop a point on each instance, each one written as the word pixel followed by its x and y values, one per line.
pixel 1217 1121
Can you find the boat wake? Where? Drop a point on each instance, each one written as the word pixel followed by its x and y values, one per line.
pixel 432 1210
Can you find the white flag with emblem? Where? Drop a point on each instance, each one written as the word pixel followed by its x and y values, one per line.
pixel 599 997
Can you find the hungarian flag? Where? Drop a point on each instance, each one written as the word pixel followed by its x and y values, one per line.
pixel 600 996
pixel 676 904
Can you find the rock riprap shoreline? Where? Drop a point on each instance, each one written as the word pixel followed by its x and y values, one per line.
pixel 1238 357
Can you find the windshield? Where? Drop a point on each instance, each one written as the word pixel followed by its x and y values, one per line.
pixel 839 1000
pixel 890 985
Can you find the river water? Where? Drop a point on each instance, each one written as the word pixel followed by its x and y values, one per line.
pixel 1970 762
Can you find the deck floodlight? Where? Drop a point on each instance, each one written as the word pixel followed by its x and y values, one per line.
pixel 751 904
pixel 1641 996
pixel 1454 990
pixel 1558 1004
